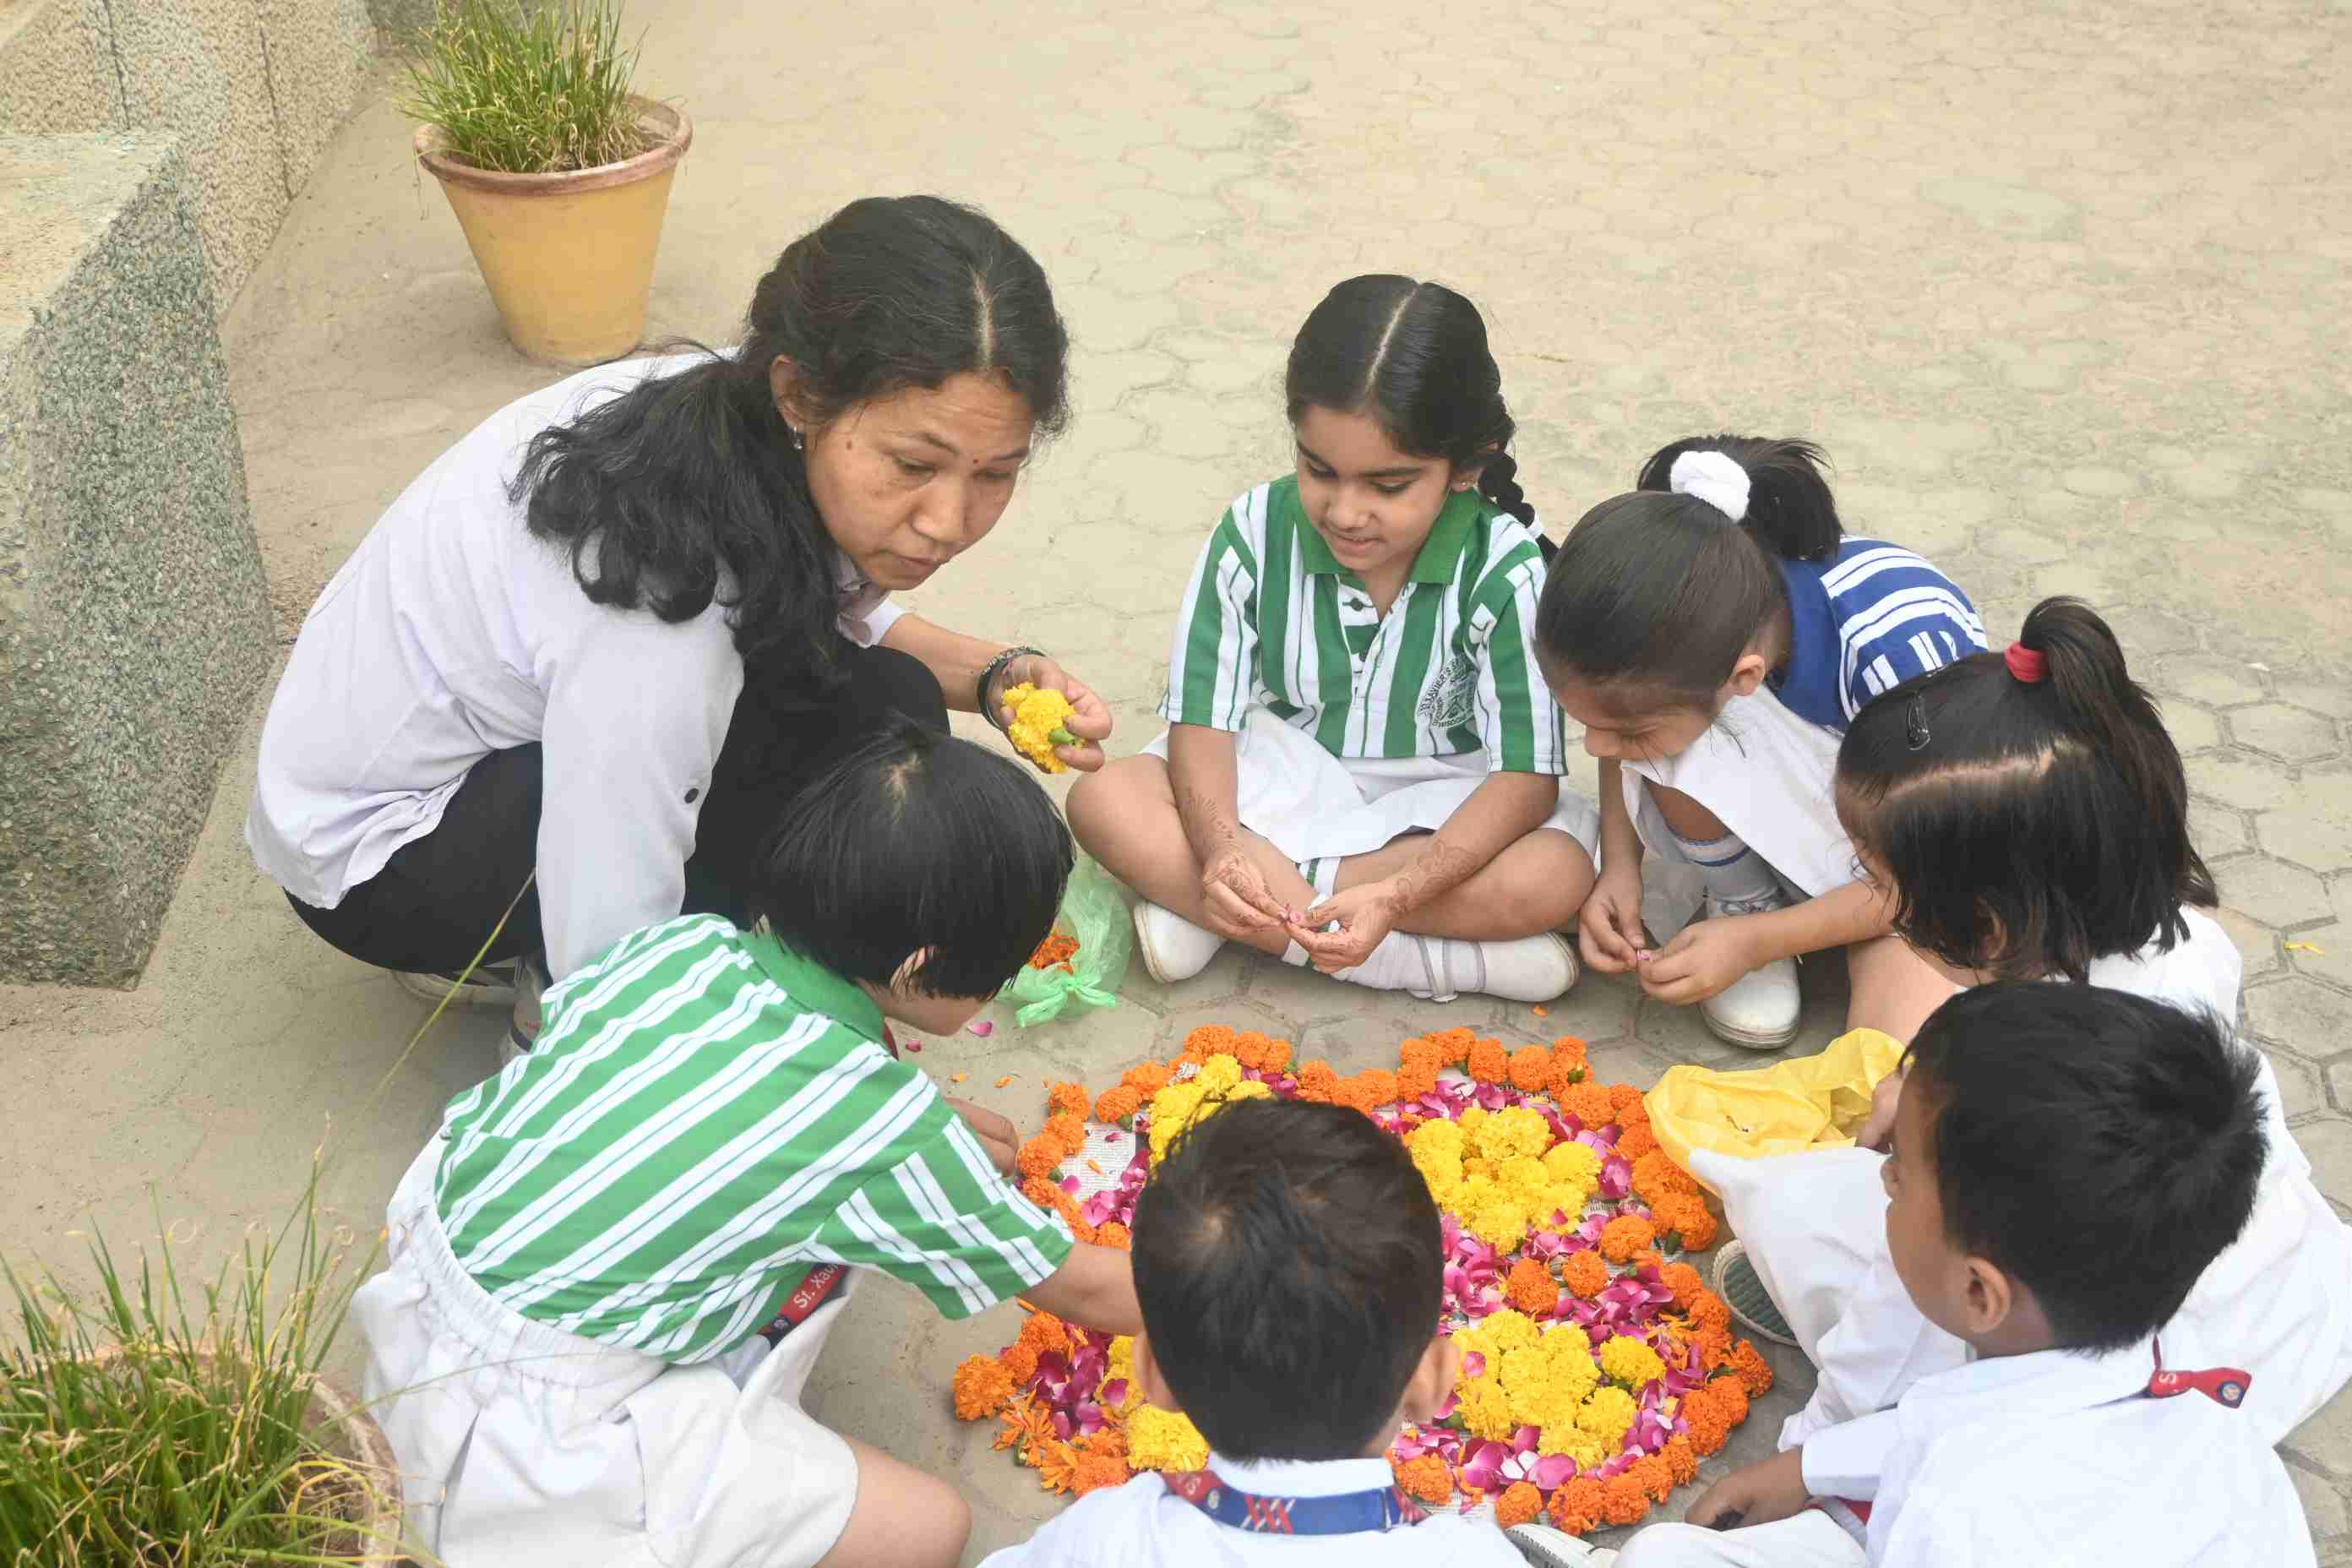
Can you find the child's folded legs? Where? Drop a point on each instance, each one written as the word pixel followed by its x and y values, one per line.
pixel 1811 1538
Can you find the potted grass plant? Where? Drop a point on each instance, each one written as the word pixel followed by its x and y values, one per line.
pixel 142 1428
pixel 559 173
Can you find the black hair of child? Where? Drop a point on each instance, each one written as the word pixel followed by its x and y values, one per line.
pixel 2100 1147
pixel 917 840
pixel 1654 596
pixel 1414 356
pixel 2027 828
pixel 1291 1269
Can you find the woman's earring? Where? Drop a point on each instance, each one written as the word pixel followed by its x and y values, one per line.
pixel 799 442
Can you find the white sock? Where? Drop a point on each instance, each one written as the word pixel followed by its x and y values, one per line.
pixel 1429 967
pixel 1734 874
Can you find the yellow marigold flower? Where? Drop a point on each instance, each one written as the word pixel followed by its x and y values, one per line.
pixel 1251 1090
pixel 1160 1439
pixel 1629 1361
pixel 1573 1162
pixel 1040 720
pixel 1472 1119
pixel 1515 1129
pixel 1608 1415
pixel 1218 1074
pixel 1121 1363
pixel 1566 1438
pixel 1499 1221
pixel 1524 1177
pixel 1507 1329
pixel 1568 1345
pixel 1485 1411
pixel 1437 1140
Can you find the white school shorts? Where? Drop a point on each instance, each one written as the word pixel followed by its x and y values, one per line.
pixel 524 1447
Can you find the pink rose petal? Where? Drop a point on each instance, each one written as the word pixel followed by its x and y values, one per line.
pixel 981 1026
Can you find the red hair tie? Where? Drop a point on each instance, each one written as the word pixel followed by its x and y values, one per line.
pixel 2027 665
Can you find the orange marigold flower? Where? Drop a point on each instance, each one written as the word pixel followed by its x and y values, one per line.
pixel 1249 1048
pixel 1317 1081
pixel 1682 1461
pixel 1623 1236
pixel 1020 1362
pixel 1379 1086
pixel 1421 1051
pixel 1520 1504
pixel 1588 1102
pixel 1584 1273
pixel 1110 1440
pixel 1691 1219
pixel 1456 1043
pixel 1578 1506
pixel 1069 1097
pixel 1414 1080
pixel 981 1386
pixel 1096 1471
pixel 1623 1501
pixel 1709 1310
pixel 1067 1129
pixel 1656 1478
pixel 1209 1040
pixel 1426 1478
pixel 1147 1080
pixel 1057 1463
pixel 1634 1143
pixel 1714 1347
pixel 1277 1055
pixel 1703 1414
pixel 1111 1233
pixel 1048 1333
pixel 1529 1067
pixel 1563 1077
pixel 1041 1156
pixel 1685 1282
pixel 1755 1373
pixel 1532 1289
pixel 1624 1097
pixel 1635 1114
pixel 1655 1174
pixel 1119 1105
pixel 1488 1062
pixel 1730 1396
pixel 1040 1190
pixel 1569 1050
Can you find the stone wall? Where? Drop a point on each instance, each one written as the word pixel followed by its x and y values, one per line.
pixel 134 622
pixel 251 88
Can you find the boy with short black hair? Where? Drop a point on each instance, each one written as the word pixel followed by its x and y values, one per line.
pixel 613 1266
pixel 1291 1271
pixel 2067 1161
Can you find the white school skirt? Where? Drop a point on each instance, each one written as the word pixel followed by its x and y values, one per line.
pixel 524 1447
pixel 1312 805
pixel 1768 774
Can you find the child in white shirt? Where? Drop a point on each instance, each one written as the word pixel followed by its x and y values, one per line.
pixel 2068 1162
pixel 1288 1261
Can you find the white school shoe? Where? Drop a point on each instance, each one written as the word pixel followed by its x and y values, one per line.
pixel 1174 948
pixel 1545 1547
pixel 1758 1011
pixel 486 985
pixel 1526 969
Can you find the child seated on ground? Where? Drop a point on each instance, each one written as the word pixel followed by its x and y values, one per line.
pixel 2067 1163
pixel 614 1267
pixel 1361 771
pixel 1289 1263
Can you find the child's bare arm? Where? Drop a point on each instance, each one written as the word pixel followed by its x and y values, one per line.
pixel 1094 1288
pixel 1203 776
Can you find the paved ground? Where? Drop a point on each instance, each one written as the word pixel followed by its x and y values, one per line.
pixel 2060 287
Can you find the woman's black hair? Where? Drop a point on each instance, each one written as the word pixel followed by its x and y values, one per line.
pixel 1414 356
pixel 2102 1149
pixel 917 840
pixel 2027 828
pixel 688 490
pixel 1291 1269
pixel 1654 596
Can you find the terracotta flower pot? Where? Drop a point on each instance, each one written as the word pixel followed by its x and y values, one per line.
pixel 569 257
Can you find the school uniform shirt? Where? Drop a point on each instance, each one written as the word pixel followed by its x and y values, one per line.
pixel 452 633
pixel 2061 1459
pixel 1864 621
pixel 1272 620
pixel 1143 1524
pixel 707 1116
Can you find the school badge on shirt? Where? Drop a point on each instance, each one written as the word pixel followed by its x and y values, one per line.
pixel 1452 700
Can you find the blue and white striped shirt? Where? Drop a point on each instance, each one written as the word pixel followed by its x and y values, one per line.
pixel 1864 622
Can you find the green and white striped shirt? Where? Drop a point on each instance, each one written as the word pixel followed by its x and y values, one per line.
pixel 706 1117
pixel 1273 620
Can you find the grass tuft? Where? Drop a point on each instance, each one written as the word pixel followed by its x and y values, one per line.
pixel 527 87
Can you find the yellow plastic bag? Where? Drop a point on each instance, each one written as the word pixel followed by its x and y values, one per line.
pixel 1804 1102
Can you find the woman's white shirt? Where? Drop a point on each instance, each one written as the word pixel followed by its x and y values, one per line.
pixel 452 633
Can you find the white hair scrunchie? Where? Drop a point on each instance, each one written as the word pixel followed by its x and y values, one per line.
pixel 1713 478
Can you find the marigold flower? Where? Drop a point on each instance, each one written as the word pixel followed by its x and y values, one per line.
pixel 1637 1140
pixel 1584 1273
pixel 1625 1500
pixel 1160 1439
pixel 1485 1410
pixel 1147 1080
pixel 1588 1102
pixel 1041 1156
pixel 1520 1504
pixel 1111 1233
pixel 1219 1074
pixel 1569 1050
pixel 1207 1041
pixel 1502 1329
pixel 1531 1289
pixel 1487 1061
pixel 1056 1462
pixel 1682 1461
pixel 1703 1416
pixel 1425 1479
pixel 1069 1097
pixel 1041 720
pixel 1564 1076
pixel 980 1386
pixel 1628 1361
pixel 1421 1051
pixel 1755 1373
pixel 1055 949
pixel 1415 1081
pixel 1714 1347
pixel 1573 1163
pixel 1278 1055
pixel 1455 1042
pixel 1685 1282
pixel 1378 1087
pixel 1692 1220
pixel 1578 1506
pixel 1607 1413
pixel 1096 1471
pixel 1730 1396
pixel 1655 1174
pixel 1048 1333
pixel 1656 1477
pixel 1067 1128
pixel 1020 1361
pixel 1709 1310
pixel 1249 1048
pixel 1529 1067
pixel 1515 1129
pixel 1317 1081
pixel 1626 1236
pixel 1119 1105
pixel 1040 1192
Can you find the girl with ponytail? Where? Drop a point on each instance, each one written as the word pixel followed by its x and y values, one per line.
pixel 1715 631
pixel 1361 769
pixel 2026 815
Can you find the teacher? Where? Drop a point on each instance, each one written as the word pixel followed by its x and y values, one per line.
pixel 606 636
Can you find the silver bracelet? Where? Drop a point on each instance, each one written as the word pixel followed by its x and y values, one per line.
pixel 988 677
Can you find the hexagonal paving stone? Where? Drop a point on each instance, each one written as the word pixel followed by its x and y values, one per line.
pixel 2300 1092
pixel 2291 734
pixel 2192 728
pixel 2241 779
pixel 1222 979
pixel 2272 892
pixel 2316 833
pixel 2320 697
pixel 2338 1078
pixel 2146 632
pixel 2217 830
pixel 2322 1505
pixel 2324 953
pixel 2257 944
pixel 2208 679
pixel 2325 1442
pixel 1301 996
pixel 2328 1145
pixel 2304 1016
